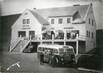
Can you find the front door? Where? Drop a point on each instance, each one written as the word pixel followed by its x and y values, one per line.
pixel 31 35
pixel 22 34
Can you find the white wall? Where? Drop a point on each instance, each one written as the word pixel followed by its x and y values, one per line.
pixel 80 27
pixel 90 42
pixel 19 26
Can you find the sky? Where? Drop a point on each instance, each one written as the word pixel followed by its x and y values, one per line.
pixel 9 7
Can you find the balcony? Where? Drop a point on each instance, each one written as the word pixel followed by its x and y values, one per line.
pixel 63 37
pixel 58 37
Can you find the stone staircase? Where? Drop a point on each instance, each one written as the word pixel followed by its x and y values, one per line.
pixel 20 46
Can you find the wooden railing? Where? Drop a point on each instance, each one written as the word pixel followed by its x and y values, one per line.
pixel 80 37
pixel 24 44
pixel 13 44
pixel 20 46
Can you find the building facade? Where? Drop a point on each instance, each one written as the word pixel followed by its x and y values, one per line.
pixel 74 25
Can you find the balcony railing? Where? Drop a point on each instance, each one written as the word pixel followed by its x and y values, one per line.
pixel 59 38
pixel 13 44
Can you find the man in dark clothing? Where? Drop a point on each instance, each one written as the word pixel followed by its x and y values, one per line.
pixel 41 58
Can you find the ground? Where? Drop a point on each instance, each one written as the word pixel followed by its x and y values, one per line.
pixel 28 62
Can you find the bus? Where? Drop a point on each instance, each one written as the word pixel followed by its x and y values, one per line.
pixel 56 54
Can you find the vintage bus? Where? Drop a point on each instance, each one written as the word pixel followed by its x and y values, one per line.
pixel 56 54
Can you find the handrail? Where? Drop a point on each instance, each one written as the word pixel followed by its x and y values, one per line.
pixel 24 44
pixel 13 44
pixel 77 37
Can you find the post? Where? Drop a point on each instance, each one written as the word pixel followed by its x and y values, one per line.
pixel 41 39
pixel 77 45
pixel 20 36
pixel 52 38
pixel 65 38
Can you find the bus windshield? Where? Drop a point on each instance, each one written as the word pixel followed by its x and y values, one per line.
pixel 61 50
pixel 40 49
pixel 69 51
pixel 66 50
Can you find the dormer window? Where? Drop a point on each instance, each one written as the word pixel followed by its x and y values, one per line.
pixel 26 21
pixel 52 21
pixel 68 20
pixel 60 21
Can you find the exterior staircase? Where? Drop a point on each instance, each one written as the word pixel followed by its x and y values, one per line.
pixel 20 46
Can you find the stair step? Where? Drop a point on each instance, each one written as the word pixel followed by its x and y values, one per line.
pixel 20 46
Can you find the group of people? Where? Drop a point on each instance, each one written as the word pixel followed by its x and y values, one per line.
pixel 45 53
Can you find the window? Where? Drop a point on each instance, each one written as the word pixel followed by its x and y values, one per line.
pixel 52 21
pixel 89 20
pixel 87 33
pixel 92 22
pixel 21 33
pixel 92 35
pixel 26 21
pixel 60 21
pixel 55 51
pixel 60 35
pixel 68 35
pixel 68 20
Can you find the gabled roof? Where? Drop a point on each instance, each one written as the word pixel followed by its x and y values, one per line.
pixel 63 11
pixel 43 14
pixel 39 17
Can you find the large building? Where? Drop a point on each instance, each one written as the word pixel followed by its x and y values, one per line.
pixel 74 25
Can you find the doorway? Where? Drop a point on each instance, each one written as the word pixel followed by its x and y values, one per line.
pixel 31 35
pixel 31 47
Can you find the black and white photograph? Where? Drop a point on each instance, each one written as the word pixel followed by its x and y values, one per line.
pixel 51 36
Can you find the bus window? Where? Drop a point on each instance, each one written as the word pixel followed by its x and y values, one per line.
pixel 40 49
pixel 61 50
pixel 70 51
pixel 55 51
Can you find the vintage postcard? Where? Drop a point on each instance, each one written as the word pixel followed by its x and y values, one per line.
pixel 51 36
